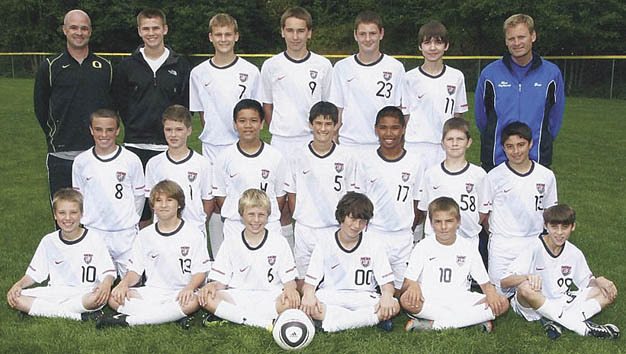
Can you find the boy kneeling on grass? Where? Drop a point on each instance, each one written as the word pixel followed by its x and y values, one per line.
pixel 554 283
pixel 75 260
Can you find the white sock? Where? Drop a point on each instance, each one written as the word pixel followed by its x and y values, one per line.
pixel 287 231
pixel 571 319
pixel 166 312
pixel 216 233
pixel 45 308
pixel 233 313
pixel 338 318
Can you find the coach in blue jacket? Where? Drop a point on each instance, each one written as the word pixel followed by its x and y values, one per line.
pixel 519 87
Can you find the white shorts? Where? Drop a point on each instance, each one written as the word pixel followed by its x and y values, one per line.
pixel 59 294
pixel 287 145
pixel 120 244
pixel 399 245
pixel 531 314
pixel 432 154
pixel 211 151
pixel 259 302
pixel 235 227
pixel 351 300
pixel 502 251
pixel 155 295
pixel 306 239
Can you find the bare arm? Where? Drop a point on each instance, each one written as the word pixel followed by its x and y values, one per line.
pixel 291 200
pixel 268 109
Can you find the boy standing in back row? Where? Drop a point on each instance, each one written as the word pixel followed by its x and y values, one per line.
pixel 433 93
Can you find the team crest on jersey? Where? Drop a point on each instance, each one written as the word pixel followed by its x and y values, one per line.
pixel 405 176
pixel 387 75
pixel 184 250
pixel 460 260
pixel 313 74
pixel 451 89
pixel 120 176
pixel 365 261
pixel 87 257
pixel 565 270
pixel 271 260
pixel 338 167
pixel 243 77
pixel 469 187
pixel 541 187
pixel 265 174
pixel 191 176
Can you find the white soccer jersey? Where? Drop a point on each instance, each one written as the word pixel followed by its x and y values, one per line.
pixel 361 269
pixel 319 182
pixel 292 87
pixel 83 262
pixel 444 270
pixel 430 101
pixel 516 202
pixel 392 186
pixel 170 259
pixel 234 171
pixel 109 186
pixel 216 90
pixel 362 90
pixel 462 186
pixel 193 174
pixel 566 273
pixel 265 267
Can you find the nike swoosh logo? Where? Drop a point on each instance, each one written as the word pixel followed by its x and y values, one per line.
pixel 232 176
pixel 431 258
pixel 507 190
pixel 281 77
pixel 88 178
pixel 373 180
pixel 420 96
pixel 154 256
pixel 65 66
pixel 244 269
pixel 58 262
pixel 539 268
pixel 436 187
pixel 207 84
pixel 350 80
pixel 305 172
pixel 335 266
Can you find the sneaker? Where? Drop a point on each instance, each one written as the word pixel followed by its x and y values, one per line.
pixel 117 320
pixel 91 316
pixel 418 324
pixel 487 326
pixel 385 325
pixel 552 329
pixel 607 331
pixel 210 320
pixel 185 322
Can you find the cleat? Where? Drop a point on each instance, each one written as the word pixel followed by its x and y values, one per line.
pixel 21 315
pixel 210 320
pixel 418 324
pixel 117 320
pixel 91 315
pixel 487 326
pixel 607 331
pixel 318 325
pixel 552 329
pixel 185 322
pixel 385 325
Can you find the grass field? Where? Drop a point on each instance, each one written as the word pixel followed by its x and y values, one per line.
pixel 590 165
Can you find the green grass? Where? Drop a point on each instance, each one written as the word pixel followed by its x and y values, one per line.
pixel 590 162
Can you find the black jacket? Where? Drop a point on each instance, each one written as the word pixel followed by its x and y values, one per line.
pixel 141 96
pixel 65 95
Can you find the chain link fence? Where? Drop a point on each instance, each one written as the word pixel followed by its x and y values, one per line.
pixel 585 76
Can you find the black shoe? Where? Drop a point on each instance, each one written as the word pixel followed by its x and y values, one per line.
pixel 606 331
pixel 185 322
pixel 117 320
pixel 552 329
pixel 385 325
pixel 91 316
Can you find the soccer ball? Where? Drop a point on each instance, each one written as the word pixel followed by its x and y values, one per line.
pixel 293 330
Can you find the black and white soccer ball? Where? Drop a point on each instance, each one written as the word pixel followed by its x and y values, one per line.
pixel 293 330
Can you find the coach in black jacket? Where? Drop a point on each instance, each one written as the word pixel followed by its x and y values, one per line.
pixel 68 88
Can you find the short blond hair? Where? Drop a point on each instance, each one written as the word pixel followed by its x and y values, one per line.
pixel 223 20
pixel 254 198
pixel 67 195
pixel 517 19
